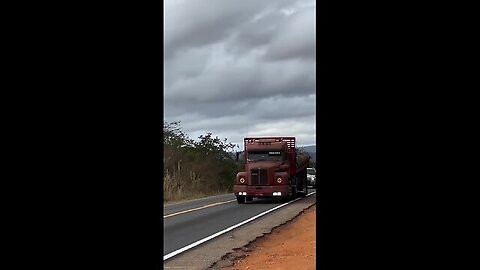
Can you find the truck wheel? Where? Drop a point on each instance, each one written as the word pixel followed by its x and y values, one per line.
pixel 249 198
pixel 240 199
pixel 281 199
pixel 303 192
pixel 294 195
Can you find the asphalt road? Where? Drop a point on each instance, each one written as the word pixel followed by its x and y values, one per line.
pixel 183 225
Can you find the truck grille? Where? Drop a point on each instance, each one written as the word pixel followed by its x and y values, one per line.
pixel 259 177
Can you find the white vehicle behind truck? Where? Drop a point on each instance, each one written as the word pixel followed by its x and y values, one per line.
pixel 311 177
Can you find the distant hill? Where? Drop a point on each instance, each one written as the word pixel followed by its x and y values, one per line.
pixel 313 156
pixel 311 150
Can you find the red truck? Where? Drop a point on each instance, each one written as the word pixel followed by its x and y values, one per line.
pixel 273 168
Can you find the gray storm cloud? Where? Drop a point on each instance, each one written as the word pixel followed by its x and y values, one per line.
pixel 241 68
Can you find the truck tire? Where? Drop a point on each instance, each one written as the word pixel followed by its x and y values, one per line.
pixel 306 190
pixel 303 178
pixel 249 198
pixel 302 193
pixel 293 196
pixel 240 199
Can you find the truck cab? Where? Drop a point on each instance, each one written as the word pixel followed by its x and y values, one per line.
pixel 270 169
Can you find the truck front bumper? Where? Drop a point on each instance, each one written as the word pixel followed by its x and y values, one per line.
pixel 261 191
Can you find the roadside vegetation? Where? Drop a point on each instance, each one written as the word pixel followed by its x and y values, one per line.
pixel 196 168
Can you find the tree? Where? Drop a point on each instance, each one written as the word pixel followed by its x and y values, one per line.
pixel 203 166
pixel 173 136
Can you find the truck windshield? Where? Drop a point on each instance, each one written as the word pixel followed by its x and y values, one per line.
pixel 310 171
pixel 265 155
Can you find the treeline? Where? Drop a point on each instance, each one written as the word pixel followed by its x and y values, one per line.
pixel 194 169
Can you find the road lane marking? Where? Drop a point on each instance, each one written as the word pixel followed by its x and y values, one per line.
pixel 178 251
pixel 198 199
pixel 198 208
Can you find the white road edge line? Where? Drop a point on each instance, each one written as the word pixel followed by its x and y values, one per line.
pixel 178 251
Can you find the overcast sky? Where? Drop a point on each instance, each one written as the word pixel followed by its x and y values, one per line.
pixel 241 68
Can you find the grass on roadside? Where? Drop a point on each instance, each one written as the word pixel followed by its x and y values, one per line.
pixel 173 193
